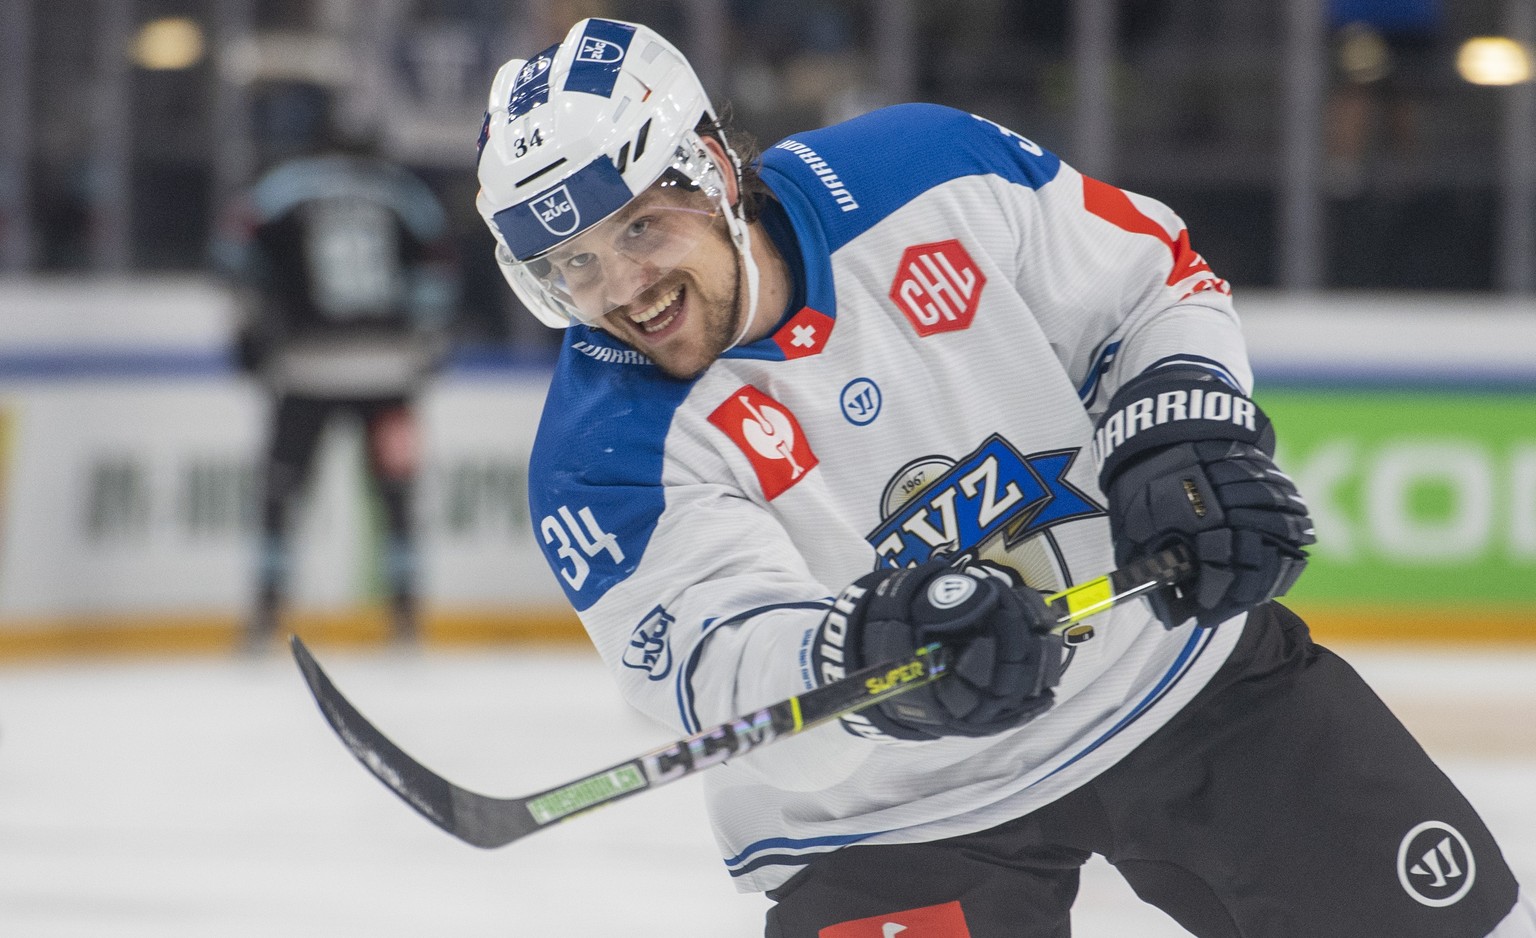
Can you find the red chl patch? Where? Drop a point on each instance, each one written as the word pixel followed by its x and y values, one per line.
pixel 769 434
pixel 934 921
pixel 806 333
pixel 938 287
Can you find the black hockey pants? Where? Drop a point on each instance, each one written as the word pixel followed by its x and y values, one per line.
pixel 1286 801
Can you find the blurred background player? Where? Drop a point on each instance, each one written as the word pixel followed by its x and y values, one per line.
pixel 348 282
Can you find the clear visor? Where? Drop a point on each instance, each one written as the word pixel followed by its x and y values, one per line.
pixel 616 261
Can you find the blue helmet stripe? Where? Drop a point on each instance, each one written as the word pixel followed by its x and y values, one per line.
pixel 599 56
pixel 563 211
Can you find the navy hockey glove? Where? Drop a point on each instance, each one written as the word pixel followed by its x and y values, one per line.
pixel 1185 459
pixel 1005 659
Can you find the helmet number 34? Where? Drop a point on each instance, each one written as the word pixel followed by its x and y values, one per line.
pixel 522 144
pixel 575 540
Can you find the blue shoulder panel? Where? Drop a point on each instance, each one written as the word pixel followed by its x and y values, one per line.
pixel 845 179
pixel 594 478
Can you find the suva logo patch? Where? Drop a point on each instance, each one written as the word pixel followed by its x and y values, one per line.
pixel 556 211
pixel 940 507
pixel 1435 864
pixel 770 437
pixel 650 646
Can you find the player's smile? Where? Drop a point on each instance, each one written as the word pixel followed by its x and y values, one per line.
pixel 683 325
pixel 659 318
pixel 695 312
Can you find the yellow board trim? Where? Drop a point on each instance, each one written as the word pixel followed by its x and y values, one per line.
pixel 124 636
pixel 116 636
pixel 1420 624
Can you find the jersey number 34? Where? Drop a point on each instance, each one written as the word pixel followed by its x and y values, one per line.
pixel 575 541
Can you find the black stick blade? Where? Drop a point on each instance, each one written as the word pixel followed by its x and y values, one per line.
pixel 473 818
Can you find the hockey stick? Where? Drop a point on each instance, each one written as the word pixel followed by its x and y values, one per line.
pixel 494 822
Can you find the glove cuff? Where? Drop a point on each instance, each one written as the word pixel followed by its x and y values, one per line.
pixel 1175 405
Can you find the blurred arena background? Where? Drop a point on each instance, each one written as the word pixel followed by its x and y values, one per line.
pixel 1362 171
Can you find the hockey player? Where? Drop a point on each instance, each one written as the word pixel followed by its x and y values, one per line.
pixel 348 273
pixel 877 388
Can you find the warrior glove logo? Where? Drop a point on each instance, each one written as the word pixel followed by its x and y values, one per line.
pixel 951 590
pixel 1435 864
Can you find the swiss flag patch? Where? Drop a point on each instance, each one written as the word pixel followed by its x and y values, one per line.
pixel 933 921
pixel 769 434
pixel 937 287
pixel 806 333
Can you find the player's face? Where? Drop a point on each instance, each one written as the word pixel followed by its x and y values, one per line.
pixel 685 320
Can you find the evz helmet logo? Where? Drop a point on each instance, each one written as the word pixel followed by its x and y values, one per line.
pixel 530 71
pixel 599 50
pixel 557 212
pixel 1435 864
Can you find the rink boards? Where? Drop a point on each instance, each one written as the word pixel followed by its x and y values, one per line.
pixel 128 476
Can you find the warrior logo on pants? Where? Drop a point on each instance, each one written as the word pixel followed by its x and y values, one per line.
pixel 1435 864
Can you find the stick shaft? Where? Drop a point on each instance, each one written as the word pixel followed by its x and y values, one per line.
pixel 487 821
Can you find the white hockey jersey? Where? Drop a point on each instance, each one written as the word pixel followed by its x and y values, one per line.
pixel 969 304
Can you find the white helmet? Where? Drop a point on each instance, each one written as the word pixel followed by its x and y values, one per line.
pixel 570 138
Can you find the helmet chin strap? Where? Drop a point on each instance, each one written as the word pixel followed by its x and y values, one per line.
pixel 741 236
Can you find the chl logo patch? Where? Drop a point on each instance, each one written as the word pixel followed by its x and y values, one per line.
pixel 933 921
pixel 938 287
pixel 769 435
pixel 1435 864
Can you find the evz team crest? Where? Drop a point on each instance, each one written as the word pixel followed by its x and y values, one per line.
pixel 994 494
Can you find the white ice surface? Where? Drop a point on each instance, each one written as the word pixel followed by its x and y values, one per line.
pixel 199 797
